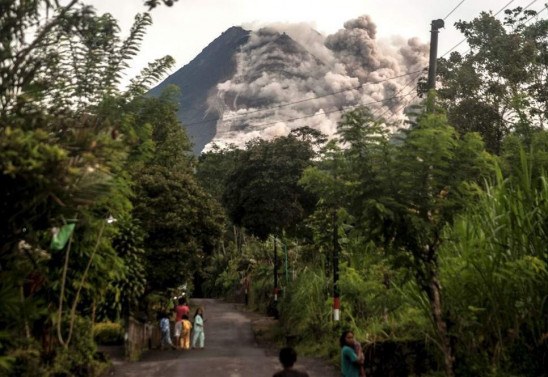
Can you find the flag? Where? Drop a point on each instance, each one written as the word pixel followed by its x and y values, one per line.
pixel 60 238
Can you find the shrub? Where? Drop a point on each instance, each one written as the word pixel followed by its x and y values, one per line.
pixel 78 359
pixel 26 363
pixel 108 333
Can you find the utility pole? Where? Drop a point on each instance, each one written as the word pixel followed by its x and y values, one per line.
pixel 436 25
pixel 336 249
pixel 275 272
pixel 286 265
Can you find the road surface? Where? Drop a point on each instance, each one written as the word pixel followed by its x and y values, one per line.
pixel 230 351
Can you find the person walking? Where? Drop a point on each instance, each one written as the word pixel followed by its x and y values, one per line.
pixel 180 310
pixel 198 335
pixel 166 333
pixel 185 335
pixel 288 357
pixel 350 360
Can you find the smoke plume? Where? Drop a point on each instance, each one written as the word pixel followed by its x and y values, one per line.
pixel 289 76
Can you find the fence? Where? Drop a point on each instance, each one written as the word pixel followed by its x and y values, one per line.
pixel 141 336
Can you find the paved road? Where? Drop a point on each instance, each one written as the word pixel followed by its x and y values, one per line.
pixel 230 351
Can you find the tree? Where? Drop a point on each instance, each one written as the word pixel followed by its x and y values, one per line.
pixel 214 168
pixel 262 193
pixel 404 194
pixel 181 221
pixel 151 4
pixel 500 85
pixel 432 169
pixel 61 116
pixel 125 293
pixel 183 225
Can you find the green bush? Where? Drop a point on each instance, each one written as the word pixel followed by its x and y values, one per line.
pixel 26 363
pixel 108 333
pixel 78 360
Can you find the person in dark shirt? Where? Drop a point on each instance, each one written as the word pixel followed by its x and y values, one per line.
pixel 288 357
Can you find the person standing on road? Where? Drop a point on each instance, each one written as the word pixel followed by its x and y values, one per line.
pixel 198 336
pixel 180 310
pixel 288 357
pixel 350 360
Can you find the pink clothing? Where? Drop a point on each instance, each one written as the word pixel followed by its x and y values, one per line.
pixel 180 311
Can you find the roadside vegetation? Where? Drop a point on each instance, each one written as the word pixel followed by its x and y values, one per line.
pixel 109 171
pixel 438 231
pixel 440 228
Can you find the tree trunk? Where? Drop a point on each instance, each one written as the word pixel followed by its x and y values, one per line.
pixel 93 311
pixel 235 231
pixel 441 326
pixel 25 321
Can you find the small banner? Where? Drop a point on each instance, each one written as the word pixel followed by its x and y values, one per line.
pixel 60 238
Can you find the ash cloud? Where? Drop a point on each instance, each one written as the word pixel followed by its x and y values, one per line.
pixel 282 66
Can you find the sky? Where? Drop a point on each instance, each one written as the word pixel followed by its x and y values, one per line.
pixel 183 30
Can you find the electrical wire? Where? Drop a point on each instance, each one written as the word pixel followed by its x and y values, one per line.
pixel 454 9
pixel 344 90
pixel 531 3
pixel 320 96
pixel 390 98
pixel 464 40
pixel 299 101
pixel 523 23
pixel 414 79
pixel 503 8
pixel 334 111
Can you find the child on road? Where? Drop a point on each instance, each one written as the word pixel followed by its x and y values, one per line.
pixel 180 310
pixel 185 334
pixel 198 336
pixel 288 357
pixel 166 333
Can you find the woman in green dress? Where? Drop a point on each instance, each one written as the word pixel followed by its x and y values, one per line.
pixel 350 360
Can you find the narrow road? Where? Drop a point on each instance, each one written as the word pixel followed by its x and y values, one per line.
pixel 230 351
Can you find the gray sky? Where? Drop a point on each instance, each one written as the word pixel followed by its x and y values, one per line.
pixel 183 30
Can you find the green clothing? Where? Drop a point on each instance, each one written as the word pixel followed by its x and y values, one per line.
pixel 349 365
pixel 198 336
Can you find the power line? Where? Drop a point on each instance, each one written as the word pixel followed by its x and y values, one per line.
pixel 334 111
pixel 536 15
pixel 454 47
pixel 531 3
pixel 504 7
pixel 524 22
pixel 300 101
pixel 464 40
pixel 398 92
pixel 454 9
pixel 402 107
pixel 320 96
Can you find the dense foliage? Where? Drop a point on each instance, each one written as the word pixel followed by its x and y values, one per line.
pixel 438 232
pixel 261 192
pixel 81 162
pixel 439 241
pixel 500 85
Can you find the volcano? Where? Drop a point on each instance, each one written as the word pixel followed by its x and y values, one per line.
pixel 266 82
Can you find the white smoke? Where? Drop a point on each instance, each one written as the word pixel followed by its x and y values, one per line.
pixel 290 76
